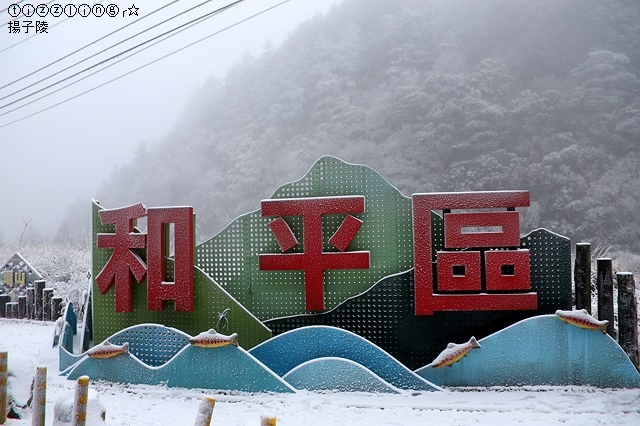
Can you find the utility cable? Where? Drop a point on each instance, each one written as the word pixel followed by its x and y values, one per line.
pixel 92 56
pixel 21 14
pixel 147 64
pixel 215 12
pixel 15 2
pixel 108 66
pixel 80 49
pixel 37 34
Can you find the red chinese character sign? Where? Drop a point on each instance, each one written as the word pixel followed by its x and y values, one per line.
pixel 313 254
pixel 124 265
pixel 314 261
pixel 493 237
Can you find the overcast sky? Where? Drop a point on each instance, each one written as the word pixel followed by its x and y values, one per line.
pixel 66 152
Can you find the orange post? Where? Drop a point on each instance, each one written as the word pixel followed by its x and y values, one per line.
pixel 3 387
pixel 39 397
pixel 205 411
pixel 267 420
pixel 80 401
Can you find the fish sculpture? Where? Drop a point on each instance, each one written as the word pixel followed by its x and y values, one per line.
pixel 582 319
pixel 213 339
pixel 454 353
pixel 108 350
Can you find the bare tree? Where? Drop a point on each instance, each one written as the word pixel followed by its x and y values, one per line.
pixel 26 224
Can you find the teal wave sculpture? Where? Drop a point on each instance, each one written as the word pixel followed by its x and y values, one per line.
pixel 163 355
pixel 153 344
pixel 336 374
pixel 541 351
pixel 225 368
pixel 286 351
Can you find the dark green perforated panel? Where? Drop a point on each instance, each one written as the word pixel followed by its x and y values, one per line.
pixel 210 302
pixel 231 257
pixel 385 315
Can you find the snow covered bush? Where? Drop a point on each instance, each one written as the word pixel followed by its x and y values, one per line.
pixel 66 268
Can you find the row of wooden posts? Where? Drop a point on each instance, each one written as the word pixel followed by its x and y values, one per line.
pixel 80 401
pixel 39 303
pixel 627 334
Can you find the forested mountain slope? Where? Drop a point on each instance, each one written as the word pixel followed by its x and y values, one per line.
pixel 436 96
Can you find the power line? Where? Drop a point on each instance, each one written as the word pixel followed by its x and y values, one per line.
pixel 147 64
pixel 201 19
pixel 21 14
pixel 37 34
pixel 92 56
pixel 215 12
pixel 7 8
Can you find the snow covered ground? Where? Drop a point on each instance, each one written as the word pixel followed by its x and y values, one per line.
pixel 29 345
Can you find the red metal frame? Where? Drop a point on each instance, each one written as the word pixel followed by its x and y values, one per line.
pixel 180 289
pixel 314 261
pixel 123 262
pixel 496 281
pixel 426 302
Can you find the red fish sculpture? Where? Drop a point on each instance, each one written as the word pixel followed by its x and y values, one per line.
pixel 454 353
pixel 582 319
pixel 213 339
pixel 108 350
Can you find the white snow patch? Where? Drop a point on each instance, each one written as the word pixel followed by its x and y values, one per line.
pixel 28 343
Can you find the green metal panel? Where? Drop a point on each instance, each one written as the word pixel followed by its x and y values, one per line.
pixel 210 300
pixel 231 257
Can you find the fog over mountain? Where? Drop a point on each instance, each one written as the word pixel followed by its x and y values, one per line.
pixel 436 96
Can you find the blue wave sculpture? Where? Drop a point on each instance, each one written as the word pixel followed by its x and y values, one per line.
pixel 225 368
pixel 336 374
pixel 153 344
pixel 541 350
pixel 288 350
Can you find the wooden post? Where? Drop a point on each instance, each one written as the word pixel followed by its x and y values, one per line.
pixel 205 411
pixel 4 299
pixel 3 387
pixel 30 302
pixel 582 276
pixel 605 293
pixel 39 397
pixel 11 310
pixel 628 316
pixel 47 294
pixel 80 402
pixel 55 307
pixel 266 420
pixel 39 294
pixel 22 307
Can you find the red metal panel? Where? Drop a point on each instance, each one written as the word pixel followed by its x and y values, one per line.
pixel 313 206
pixel 423 270
pixel 449 281
pixel 456 237
pixel 426 302
pixel 313 261
pixel 476 200
pixel 346 232
pixel 518 259
pixel 283 233
pixel 123 262
pixel 181 289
